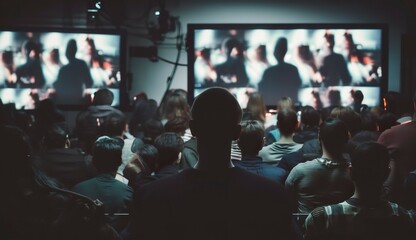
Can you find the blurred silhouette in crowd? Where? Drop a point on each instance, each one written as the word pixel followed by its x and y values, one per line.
pixel 282 80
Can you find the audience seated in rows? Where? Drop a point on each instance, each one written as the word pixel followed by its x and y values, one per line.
pixel 365 215
pixel 89 123
pixel 169 147
pixel 58 160
pixel 35 207
pixel 215 200
pixel 205 192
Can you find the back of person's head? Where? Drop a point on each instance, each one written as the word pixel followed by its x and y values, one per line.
pixel 333 135
pixel 280 49
pixel 176 105
pixel 368 121
pixel 216 115
pixel 114 125
pixel 351 118
pixel 398 104
pixel 143 111
pixel 251 138
pixel 287 122
pixel 47 112
pixel 169 146
pixel 56 136
pixel 149 155
pixel 152 128
pixel 103 96
pixel 359 138
pixel 107 154
pixel 309 116
pixel 177 125
pixel 139 97
pixel 71 49
pixel 386 121
pixel 256 107
pixel 285 103
pixel 370 165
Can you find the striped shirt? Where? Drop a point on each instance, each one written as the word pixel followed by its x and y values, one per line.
pixel 351 220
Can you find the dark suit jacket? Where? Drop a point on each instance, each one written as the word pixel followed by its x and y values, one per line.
pixel 67 165
pixel 115 195
pixel 196 204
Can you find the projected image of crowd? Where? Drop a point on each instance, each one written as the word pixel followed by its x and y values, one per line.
pixel 65 66
pixel 297 63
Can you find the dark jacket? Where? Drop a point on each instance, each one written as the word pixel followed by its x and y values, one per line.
pixel 257 166
pixel 196 204
pixel 115 195
pixel 67 165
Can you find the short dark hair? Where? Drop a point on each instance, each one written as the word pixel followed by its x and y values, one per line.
pixel 350 117
pixel 149 155
pixel 333 134
pixel 370 163
pixel 152 128
pixel 251 137
pixel 386 121
pixel 368 121
pixel 169 145
pixel 309 116
pixel 114 124
pixel 177 125
pixel 287 121
pixel 107 154
pixel 56 136
pixel 103 96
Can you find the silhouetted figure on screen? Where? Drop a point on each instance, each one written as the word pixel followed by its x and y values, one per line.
pixel 333 69
pixel 72 78
pixel 232 72
pixel 29 74
pixel 282 80
pixel 214 200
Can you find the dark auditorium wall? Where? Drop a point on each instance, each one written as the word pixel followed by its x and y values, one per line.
pixel 151 77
